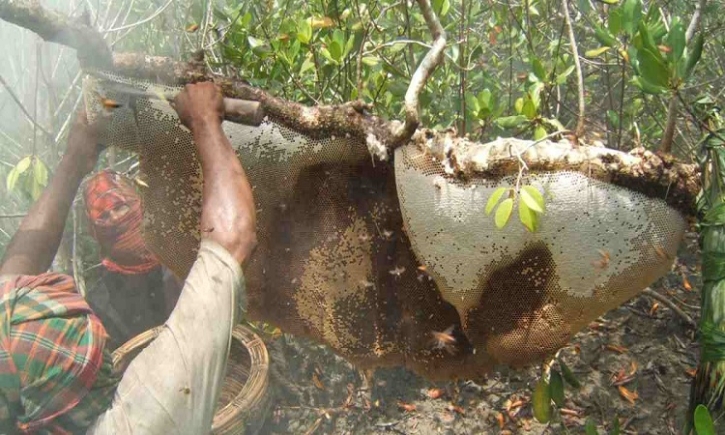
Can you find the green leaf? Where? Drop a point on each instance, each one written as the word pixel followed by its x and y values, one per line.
pixel 529 109
pixel 694 56
pixel 308 64
pixel 503 213
pixel 538 69
pixel 258 46
pixel 561 78
pixel 539 132
pixel 484 98
pixel 568 375
pixel 596 52
pixel 519 105
pixel 647 87
pixel 590 428
pixel 615 426
pixel 335 49
pixel 528 217
pixel 676 40
pixel 646 39
pixel 511 121
pixel 494 199
pixel 631 15
pixel 34 189
pixel 445 7
pixel 23 164
pixel 304 31
pixel 553 123
pixel 542 401
pixel 12 179
pixel 604 37
pixel 370 60
pixel 533 198
pixel 614 20
pixel 652 68
pixel 703 421
pixel 472 103
pixel 40 172
pixel 556 385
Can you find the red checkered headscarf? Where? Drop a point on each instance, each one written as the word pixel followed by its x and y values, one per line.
pixel 121 239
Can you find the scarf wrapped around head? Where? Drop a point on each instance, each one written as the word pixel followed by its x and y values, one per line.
pixel 56 375
pixel 121 240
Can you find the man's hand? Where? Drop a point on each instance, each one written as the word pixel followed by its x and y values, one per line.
pixel 227 201
pixel 83 143
pixel 200 103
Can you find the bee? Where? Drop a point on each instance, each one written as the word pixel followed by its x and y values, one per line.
pixel 661 253
pixel 192 28
pixel 397 271
pixel 603 262
pixel 444 340
pixel 109 104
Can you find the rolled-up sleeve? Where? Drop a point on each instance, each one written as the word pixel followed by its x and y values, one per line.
pixel 173 385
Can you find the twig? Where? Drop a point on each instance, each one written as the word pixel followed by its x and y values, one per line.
pixel 22 107
pixel 66 123
pixel 12 216
pixel 429 63
pixel 671 305
pixel 138 23
pixel 695 20
pixel 669 132
pixel 414 42
pixel 35 101
pixel 577 64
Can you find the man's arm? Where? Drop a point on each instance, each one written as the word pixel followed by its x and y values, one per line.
pixel 228 214
pixel 34 245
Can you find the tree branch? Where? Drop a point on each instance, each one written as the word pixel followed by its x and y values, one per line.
pixel 403 133
pixel 669 132
pixel 671 305
pixel 577 64
pixel 55 27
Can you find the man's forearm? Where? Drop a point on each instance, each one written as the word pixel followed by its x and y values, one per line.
pixel 33 247
pixel 228 213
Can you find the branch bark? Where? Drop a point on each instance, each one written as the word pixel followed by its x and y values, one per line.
pixel 55 27
pixel 654 175
pixel 404 132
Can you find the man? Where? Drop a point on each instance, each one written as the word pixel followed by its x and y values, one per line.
pixel 133 293
pixel 55 372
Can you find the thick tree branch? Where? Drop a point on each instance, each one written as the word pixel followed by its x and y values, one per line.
pixel 351 119
pixel 657 176
pixel 403 133
pixel 55 27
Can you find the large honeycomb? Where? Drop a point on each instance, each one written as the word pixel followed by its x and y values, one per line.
pixel 372 258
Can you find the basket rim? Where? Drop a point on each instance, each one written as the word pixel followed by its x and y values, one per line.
pixel 254 389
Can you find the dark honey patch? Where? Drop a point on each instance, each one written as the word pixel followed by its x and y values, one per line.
pixel 513 295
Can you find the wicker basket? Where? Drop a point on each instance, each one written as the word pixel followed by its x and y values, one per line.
pixel 244 401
